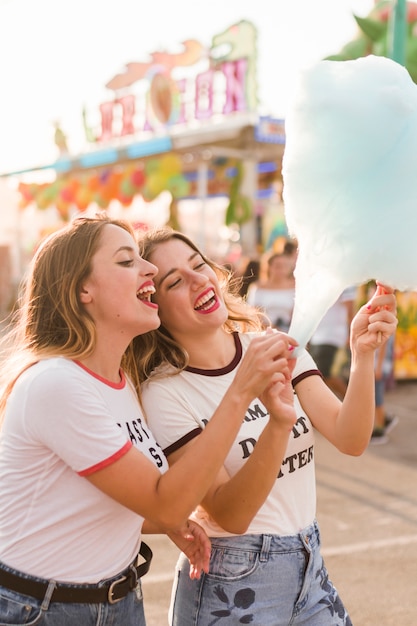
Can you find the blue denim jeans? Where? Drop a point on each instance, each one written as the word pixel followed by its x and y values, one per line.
pixel 379 392
pixel 17 608
pixel 259 579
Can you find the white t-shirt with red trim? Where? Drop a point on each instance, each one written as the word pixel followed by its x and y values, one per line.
pixel 62 423
pixel 177 409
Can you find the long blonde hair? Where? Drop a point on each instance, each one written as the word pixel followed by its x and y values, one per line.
pixel 50 318
pixel 158 347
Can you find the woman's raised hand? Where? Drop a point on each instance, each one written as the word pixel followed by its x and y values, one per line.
pixel 375 322
pixel 266 362
pixel 278 397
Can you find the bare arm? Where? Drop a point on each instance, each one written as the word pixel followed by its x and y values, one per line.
pixel 190 539
pixel 348 425
pixel 167 500
pixel 233 501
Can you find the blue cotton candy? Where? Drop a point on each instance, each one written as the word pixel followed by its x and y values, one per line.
pixel 350 191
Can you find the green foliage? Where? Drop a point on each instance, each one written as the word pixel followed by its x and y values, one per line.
pixel 239 209
pixel 371 28
pixel 373 37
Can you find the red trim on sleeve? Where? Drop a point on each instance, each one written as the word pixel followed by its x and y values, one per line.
pixel 111 459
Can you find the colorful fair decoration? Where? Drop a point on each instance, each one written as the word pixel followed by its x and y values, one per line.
pixel 192 52
pixel 122 183
pixel 191 84
pixel 156 100
pixel 372 37
pixel 60 139
pixel 240 42
pixel 239 209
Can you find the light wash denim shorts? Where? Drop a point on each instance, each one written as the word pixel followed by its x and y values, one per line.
pixel 17 609
pixel 263 580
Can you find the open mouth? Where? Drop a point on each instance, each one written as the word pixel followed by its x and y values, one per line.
pixel 206 301
pixel 145 293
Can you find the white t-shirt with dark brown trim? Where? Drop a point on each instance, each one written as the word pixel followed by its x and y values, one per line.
pixel 178 407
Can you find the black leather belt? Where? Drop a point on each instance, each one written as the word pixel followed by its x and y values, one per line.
pixel 111 592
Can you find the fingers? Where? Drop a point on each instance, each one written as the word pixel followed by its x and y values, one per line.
pixel 382 299
pixel 384 288
pixel 375 321
pixel 266 361
pixel 284 336
pixel 381 311
pixel 278 345
pixel 383 323
pixel 265 352
pixel 198 550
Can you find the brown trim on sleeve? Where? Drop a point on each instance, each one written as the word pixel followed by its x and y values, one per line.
pixel 304 375
pixel 181 442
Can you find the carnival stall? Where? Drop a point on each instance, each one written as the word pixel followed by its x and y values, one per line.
pixel 184 128
pixel 186 123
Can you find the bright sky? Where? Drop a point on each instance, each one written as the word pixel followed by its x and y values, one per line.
pixel 57 55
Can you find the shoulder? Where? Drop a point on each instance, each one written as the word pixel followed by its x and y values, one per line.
pixel 55 380
pixel 304 367
pixel 50 372
pixel 164 375
pixel 246 338
pixel 162 389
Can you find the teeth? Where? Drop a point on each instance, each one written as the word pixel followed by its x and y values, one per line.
pixel 145 292
pixel 202 301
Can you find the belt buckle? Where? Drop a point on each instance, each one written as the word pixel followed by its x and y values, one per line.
pixel 132 574
pixel 110 598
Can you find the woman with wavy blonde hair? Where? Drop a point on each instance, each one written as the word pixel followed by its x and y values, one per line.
pixel 160 347
pixel 81 475
pixel 265 566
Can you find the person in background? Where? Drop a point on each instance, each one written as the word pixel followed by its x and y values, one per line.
pixel 81 475
pixel 329 344
pixel 250 275
pixel 384 422
pixel 291 250
pixel 274 296
pixel 384 363
pixel 266 566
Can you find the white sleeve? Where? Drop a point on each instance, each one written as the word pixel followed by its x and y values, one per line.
pixel 305 363
pixel 69 417
pixel 170 415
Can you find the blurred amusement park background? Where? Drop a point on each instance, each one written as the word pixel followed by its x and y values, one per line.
pixel 180 136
